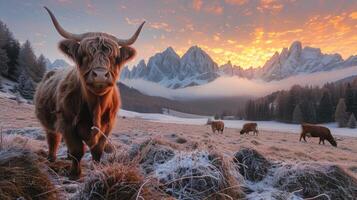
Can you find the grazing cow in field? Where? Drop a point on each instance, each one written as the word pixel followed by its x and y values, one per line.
pixel 323 133
pixel 216 126
pixel 80 103
pixel 247 127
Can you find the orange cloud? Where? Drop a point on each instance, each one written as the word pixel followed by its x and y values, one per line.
pixel 353 15
pixel 271 6
pixel 331 33
pixel 236 2
pixel 161 26
pixel 154 25
pixel 214 9
pixel 197 4
pixel 133 21
pixel 209 7
pixel 216 37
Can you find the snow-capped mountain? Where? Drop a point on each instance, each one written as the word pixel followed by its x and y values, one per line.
pixel 232 70
pixel 297 60
pixel 196 67
pixel 58 63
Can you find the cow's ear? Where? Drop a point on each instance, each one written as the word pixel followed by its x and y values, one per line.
pixel 126 54
pixel 70 48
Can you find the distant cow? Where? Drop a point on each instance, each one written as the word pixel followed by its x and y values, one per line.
pixel 216 125
pixel 323 133
pixel 247 127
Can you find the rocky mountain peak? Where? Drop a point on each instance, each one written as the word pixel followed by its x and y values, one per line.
pixel 197 67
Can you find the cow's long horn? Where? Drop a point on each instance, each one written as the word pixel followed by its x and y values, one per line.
pixel 132 39
pixel 61 31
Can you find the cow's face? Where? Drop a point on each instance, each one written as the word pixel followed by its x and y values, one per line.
pixel 99 60
pixel 333 142
pixel 98 56
pixel 241 132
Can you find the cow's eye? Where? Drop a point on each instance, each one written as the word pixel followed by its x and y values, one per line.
pixel 117 60
pixel 105 49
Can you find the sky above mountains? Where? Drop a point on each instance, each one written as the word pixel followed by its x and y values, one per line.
pixel 247 32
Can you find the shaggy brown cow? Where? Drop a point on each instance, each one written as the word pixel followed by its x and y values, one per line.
pixel 247 127
pixel 323 133
pixel 81 103
pixel 216 126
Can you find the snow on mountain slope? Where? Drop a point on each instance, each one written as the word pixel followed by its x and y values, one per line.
pixel 196 67
pixel 263 125
pixel 297 60
pixel 58 63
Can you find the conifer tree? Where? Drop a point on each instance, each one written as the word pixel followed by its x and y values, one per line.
pixel 352 121
pixel 325 109
pixel 26 86
pixel 349 98
pixel 341 115
pixel 297 115
pixel 27 61
pixel 3 62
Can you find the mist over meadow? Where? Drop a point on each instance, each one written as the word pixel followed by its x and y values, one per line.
pixel 235 86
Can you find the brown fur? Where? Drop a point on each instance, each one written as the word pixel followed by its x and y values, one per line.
pixel 247 127
pixel 69 102
pixel 323 133
pixel 217 126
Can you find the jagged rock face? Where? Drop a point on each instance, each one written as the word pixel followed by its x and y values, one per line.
pixel 196 67
pixel 196 62
pixel 297 60
pixel 232 70
pixel 168 69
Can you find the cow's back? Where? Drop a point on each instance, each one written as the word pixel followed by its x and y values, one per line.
pixel 316 131
pixel 250 126
pixel 217 125
pixel 220 125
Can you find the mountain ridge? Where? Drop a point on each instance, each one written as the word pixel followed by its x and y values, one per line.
pixel 196 67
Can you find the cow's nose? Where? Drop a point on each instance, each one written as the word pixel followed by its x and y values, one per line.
pixel 100 75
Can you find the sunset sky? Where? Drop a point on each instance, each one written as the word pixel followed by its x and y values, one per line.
pixel 247 32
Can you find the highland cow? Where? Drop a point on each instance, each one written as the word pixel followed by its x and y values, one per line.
pixel 247 127
pixel 216 126
pixel 323 133
pixel 80 103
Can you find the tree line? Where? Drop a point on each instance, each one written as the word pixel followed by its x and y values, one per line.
pixel 19 63
pixel 333 102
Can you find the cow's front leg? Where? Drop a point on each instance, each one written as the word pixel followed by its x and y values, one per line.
pixel 76 150
pixel 53 141
pixel 97 150
pixel 96 129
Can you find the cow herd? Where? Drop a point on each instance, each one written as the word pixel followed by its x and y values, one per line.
pixel 307 130
pixel 80 103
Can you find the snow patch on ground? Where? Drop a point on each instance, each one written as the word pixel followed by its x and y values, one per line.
pixel 272 126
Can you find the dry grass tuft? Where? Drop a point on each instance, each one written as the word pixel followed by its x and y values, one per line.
pixel 21 177
pixel 198 175
pixel 181 140
pixel 151 153
pixel 118 182
pixel 311 180
pixel 252 165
